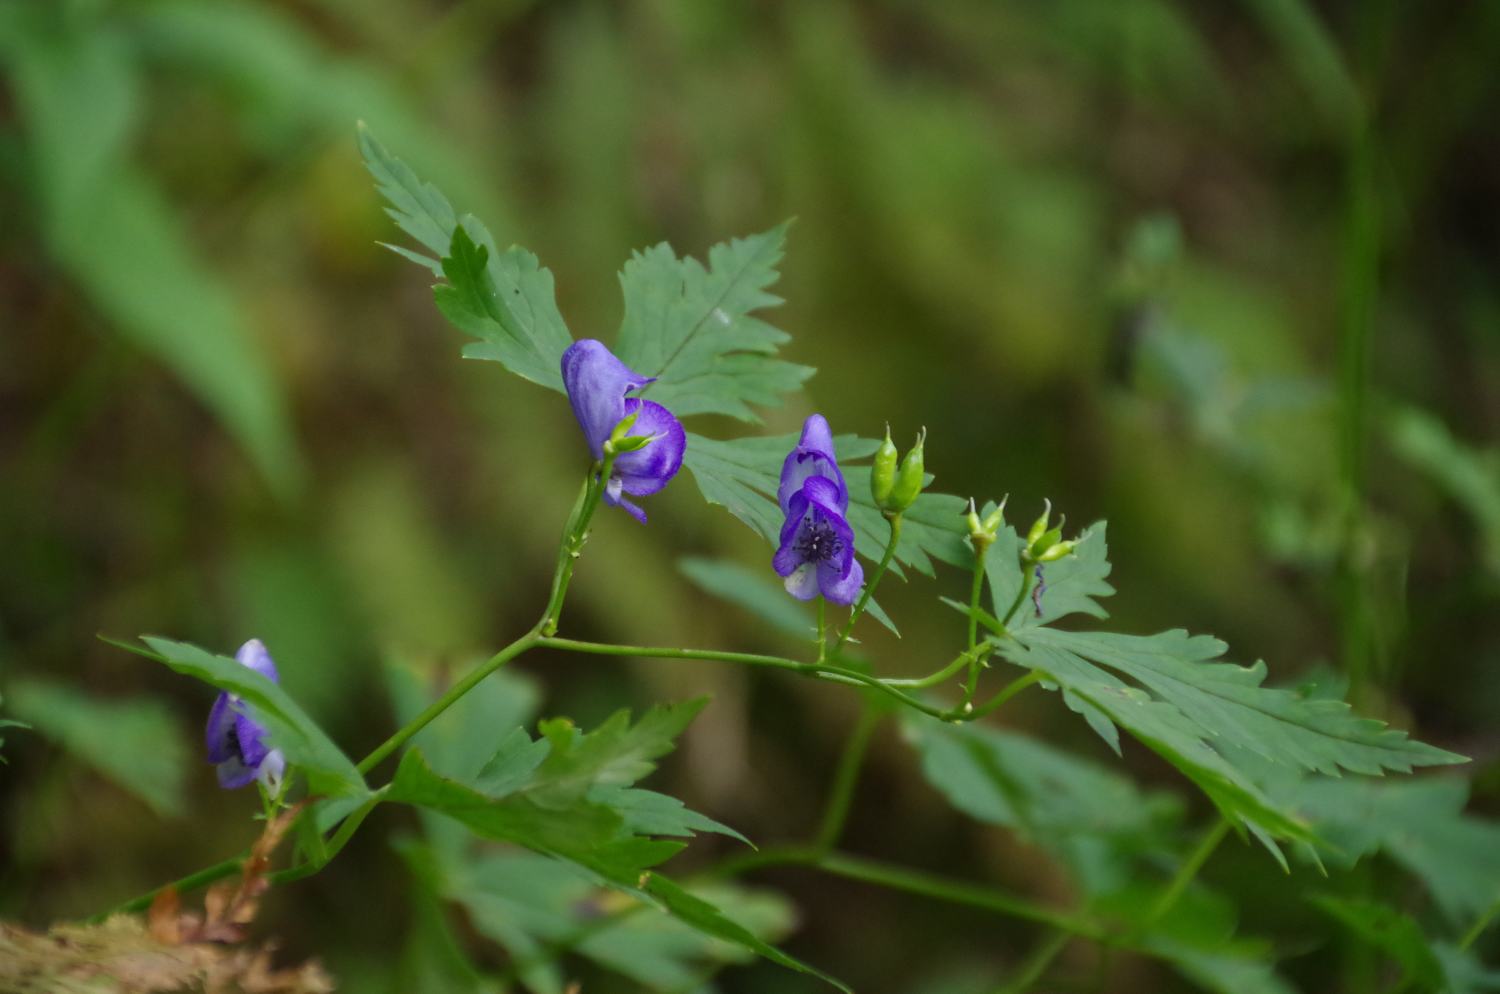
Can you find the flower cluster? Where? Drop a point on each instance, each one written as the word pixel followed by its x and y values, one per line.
pixel 597 383
pixel 236 741
pixel 816 552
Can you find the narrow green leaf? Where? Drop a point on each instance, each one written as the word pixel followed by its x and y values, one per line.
pixel 692 328
pixel 134 742
pixel 288 727
pixel 703 916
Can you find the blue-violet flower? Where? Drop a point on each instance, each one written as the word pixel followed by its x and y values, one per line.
pixel 816 553
pixel 236 741
pixel 597 385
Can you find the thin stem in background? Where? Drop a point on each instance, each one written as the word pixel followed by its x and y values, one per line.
pixel 1036 964
pixel 1185 874
pixel 841 796
pixel 822 642
pixel 1480 924
pixel 872 583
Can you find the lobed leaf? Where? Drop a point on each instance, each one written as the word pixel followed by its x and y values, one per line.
pixel 1229 704
pixel 692 327
pixel 1393 932
pixel 507 299
pixel 1073 584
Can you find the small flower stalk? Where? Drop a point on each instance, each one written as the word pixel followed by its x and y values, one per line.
pixel 816 552
pixel 237 742
pixel 982 534
pixel 643 441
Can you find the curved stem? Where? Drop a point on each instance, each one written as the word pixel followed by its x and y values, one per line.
pixel 835 674
pixel 1015 605
pixel 933 679
pixel 574 536
pixel 872 583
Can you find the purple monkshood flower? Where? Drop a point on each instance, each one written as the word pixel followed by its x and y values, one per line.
pixel 597 383
pixel 816 553
pixel 236 741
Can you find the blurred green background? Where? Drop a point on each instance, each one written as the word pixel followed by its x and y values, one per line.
pixel 1224 274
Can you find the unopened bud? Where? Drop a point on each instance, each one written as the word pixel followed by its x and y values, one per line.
pixel 1039 527
pixel 910 478
pixel 996 518
pixel 1056 551
pixel 883 471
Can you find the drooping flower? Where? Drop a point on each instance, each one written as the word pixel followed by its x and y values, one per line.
pixel 816 552
pixel 236 741
pixel 597 384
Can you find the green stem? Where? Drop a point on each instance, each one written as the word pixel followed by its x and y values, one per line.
pixel 933 679
pixel 836 813
pixel 1185 874
pixel 1010 690
pixel 204 877
pixel 574 536
pixel 872 583
pixel 1480 924
pixel 835 674
pixel 822 642
pixel 1036 964
pixel 954 892
pixel 971 685
pixel 1027 569
pixel 449 698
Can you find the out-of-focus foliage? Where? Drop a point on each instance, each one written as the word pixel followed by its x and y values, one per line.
pixel 1223 274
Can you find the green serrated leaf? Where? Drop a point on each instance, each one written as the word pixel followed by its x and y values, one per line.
pixel 529 903
pixel 692 328
pixel 648 813
pixel 288 727
pixel 1229 703
pixel 1420 824
pixel 1073 584
pixel 743 475
pixel 1166 731
pixel 134 742
pixel 505 299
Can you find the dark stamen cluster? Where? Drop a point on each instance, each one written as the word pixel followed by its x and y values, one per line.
pixel 818 543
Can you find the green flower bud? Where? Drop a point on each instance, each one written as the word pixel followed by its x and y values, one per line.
pixel 910 478
pixel 996 518
pixel 883 472
pixel 1056 551
pixel 1039 527
pixel 971 518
